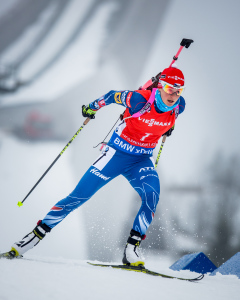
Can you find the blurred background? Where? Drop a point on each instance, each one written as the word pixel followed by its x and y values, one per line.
pixel 57 55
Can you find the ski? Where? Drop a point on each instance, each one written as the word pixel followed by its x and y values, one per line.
pixel 142 269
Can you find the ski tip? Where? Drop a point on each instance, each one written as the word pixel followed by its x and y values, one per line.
pixel 197 278
pixel 20 204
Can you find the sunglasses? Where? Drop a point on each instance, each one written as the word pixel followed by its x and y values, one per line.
pixel 171 89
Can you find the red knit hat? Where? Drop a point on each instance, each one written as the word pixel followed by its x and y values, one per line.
pixel 172 76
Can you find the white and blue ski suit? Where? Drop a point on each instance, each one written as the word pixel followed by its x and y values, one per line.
pixel 128 153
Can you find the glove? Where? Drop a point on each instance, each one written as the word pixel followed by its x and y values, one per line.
pixel 87 112
pixel 169 132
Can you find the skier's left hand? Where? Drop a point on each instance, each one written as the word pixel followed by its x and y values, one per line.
pixel 169 132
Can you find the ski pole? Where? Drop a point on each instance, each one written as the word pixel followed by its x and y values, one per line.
pixel 160 150
pixel 55 160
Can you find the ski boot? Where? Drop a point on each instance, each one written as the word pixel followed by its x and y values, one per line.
pixel 132 255
pixel 28 242
pixel 11 254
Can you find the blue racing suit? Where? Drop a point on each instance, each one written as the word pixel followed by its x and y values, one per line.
pixel 137 167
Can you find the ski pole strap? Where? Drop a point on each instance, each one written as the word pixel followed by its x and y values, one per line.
pixel 147 106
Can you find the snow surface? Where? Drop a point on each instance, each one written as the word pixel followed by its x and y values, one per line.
pixel 49 278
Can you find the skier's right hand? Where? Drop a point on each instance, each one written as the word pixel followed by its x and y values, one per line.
pixel 87 112
pixel 169 132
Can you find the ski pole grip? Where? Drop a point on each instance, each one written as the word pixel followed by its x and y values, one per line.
pixel 86 121
pixel 164 139
pixel 186 42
